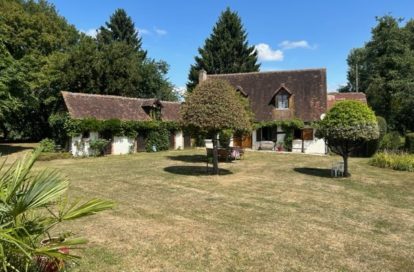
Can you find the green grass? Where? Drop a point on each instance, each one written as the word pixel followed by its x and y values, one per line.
pixel 269 212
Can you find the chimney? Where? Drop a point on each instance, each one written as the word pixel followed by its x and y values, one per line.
pixel 202 75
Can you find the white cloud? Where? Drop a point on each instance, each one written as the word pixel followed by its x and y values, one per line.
pixel 90 32
pixel 294 44
pixel 143 31
pixel 160 32
pixel 155 31
pixel 180 92
pixel 266 53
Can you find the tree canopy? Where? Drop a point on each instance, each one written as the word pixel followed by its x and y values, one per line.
pixel 346 126
pixel 386 71
pixel 225 51
pixel 214 105
pixel 121 28
pixel 42 54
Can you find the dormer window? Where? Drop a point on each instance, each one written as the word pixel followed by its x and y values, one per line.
pixel 153 108
pixel 282 100
pixel 241 91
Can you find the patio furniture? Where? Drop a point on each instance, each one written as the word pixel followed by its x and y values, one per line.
pixel 337 169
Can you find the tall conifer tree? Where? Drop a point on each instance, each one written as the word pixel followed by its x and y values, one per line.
pixel 225 51
pixel 121 28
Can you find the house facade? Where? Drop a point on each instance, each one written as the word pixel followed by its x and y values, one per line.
pixel 281 96
pixel 107 107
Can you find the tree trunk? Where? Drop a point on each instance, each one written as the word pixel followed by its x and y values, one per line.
pixel 215 155
pixel 346 173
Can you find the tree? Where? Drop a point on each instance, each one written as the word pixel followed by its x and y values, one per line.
pixel 347 126
pixel 213 106
pixel 225 51
pixel 386 71
pixel 31 207
pixel 121 28
pixel 31 35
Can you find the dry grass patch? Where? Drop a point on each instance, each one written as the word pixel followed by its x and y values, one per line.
pixel 271 212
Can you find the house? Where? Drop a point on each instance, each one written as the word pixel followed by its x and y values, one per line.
pixel 108 107
pixel 336 97
pixel 281 96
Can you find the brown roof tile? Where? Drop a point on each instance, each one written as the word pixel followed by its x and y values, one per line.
pixel 335 97
pixel 104 107
pixel 308 88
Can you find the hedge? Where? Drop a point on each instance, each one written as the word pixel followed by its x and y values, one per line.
pixel 116 127
pixel 401 162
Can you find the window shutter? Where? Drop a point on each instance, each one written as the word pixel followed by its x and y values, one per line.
pixel 307 134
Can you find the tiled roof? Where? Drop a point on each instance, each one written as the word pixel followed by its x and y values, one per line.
pixel 308 88
pixel 104 107
pixel 335 97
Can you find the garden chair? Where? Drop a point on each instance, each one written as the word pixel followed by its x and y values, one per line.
pixel 337 169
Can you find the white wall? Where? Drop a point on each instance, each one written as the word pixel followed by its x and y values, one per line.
pixel 315 146
pixel 179 140
pixel 80 146
pixel 122 145
pixel 255 143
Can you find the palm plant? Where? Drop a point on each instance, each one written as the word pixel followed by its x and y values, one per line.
pixel 31 206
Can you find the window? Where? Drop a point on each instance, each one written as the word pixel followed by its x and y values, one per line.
pixel 282 100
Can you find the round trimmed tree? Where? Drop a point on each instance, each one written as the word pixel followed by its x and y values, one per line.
pixel 214 105
pixel 347 126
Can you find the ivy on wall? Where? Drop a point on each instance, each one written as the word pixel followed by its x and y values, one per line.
pixel 113 127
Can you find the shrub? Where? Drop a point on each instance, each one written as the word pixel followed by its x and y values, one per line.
pixel 396 161
pixel 57 124
pixel 369 148
pixel 47 145
pixel 225 137
pixel 409 142
pixel 34 208
pixel 391 141
pixel 382 126
pixel 98 146
pixel 160 139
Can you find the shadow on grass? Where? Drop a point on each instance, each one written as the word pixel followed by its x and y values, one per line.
pixel 6 149
pixel 195 158
pixel 189 158
pixel 194 170
pixel 318 172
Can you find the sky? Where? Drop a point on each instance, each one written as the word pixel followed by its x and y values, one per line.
pixel 287 34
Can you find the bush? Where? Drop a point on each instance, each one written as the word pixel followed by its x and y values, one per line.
pixel 391 141
pixel 35 207
pixel 401 162
pixel 159 138
pixel 47 145
pixel 225 137
pixel 409 142
pixel 369 148
pixel 98 146
pixel 382 126
pixel 49 156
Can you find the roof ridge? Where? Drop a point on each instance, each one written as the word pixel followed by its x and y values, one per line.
pixel 114 96
pixel 269 72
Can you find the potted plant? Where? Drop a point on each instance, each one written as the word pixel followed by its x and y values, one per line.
pixel 279 146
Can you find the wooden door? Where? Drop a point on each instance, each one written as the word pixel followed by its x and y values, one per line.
pixel 244 141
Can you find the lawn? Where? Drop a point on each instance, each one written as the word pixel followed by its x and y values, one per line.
pixel 269 212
